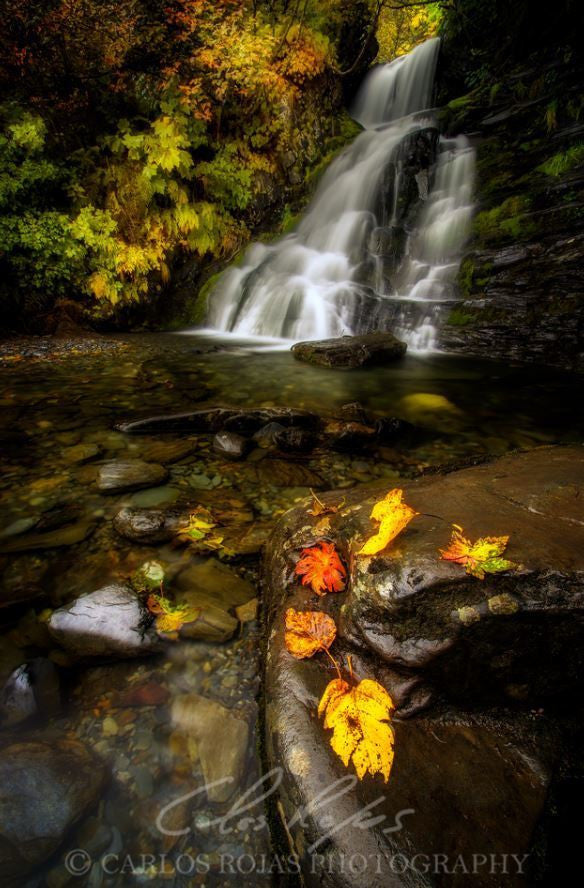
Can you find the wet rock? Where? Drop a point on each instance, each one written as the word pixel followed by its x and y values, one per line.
pixel 285 473
pixel 148 694
pixel 32 689
pixel 293 440
pixel 155 496
pixel 150 526
pixel 216 583
pixel 247 539
pixel 80 453
pixel 58 516
pixel 349 436
pixel 231 445
pixel 428 632
pixel 106 623
pixel 247 612
pixel 355 412
pixel 167 452
pixel 469 639
pixel 217 419
pixel 222 741
pixel 213 623
pixel 63 536
pixel 45 788
pixel 23 581
pixel 119 476
pixel 370 349
pixel 391 429
pixel 266 436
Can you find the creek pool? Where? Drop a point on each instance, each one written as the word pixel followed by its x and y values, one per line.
pixel 61 401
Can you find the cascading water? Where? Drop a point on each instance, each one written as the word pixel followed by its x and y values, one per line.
pixel 380 244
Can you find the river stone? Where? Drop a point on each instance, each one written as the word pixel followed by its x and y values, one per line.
pixel 167 452
pixel 81 453
pixel 45 788
pixel 474 779
pixel 215 583
pixel 105 623
pixel 119 476
pixel 53 539
pixel 31 689
pixel 213 624
pixel 217 419
pixel 222 741
pixel 370 349
pixel 231 445
pixel 150 526
pixel 286 473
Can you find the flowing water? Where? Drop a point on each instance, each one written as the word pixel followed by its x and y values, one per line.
pixel 380 244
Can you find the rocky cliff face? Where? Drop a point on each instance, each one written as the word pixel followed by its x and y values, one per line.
pixel 520 283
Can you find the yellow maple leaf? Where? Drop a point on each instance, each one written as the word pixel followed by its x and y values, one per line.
pixel 478 558
pixel 393 516
pixel 359 718
pixel 308 632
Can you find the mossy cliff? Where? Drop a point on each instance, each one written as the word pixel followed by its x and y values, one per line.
pixel 520 281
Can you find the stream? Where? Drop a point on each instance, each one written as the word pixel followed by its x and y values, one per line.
pixel 61 402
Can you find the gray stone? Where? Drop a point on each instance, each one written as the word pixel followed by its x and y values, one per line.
pixel 33 688
pixel 119 476
pixel 370 349
pixel 230 445
pixel 45 788
pixel 106 623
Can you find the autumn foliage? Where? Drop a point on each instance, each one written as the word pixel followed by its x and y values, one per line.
pixel 393 515
pixel 480 558
pixel 308 632
pixel 321 568
pixel 359 719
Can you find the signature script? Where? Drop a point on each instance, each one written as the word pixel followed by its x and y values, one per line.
pixel 246 812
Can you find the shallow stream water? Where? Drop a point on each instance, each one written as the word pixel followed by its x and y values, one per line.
pixel 60 404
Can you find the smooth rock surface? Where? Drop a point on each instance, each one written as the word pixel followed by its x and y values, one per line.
pixel 222 741
pixel 106 623
pixel 217 419
pixel 119 476
pixel 370 349
pixel 45 788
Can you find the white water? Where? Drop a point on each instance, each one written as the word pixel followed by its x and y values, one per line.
pixel 334 274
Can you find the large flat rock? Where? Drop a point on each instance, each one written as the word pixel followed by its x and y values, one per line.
pixel 370 349
pixel 472 763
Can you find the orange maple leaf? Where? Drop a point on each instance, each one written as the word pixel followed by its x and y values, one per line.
pixel 308 632
pixel 393 515
pixel 321 568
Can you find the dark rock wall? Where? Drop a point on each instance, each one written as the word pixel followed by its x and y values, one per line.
pixel 520 282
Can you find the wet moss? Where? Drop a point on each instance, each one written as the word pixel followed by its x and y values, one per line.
pixel 563 162
pixel 458 317
pixel 509 221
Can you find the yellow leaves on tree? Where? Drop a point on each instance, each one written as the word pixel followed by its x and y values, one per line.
pixel 308 632
pixel 393 516
pixel 359 719
pixel 170 617
pixel 480 558
pixel 321 568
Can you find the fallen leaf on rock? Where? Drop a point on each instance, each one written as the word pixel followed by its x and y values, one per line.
pixel 480 558
pixel 321 568
pixel 308 632
pixel 200 529
pixel 359 718
pixel 320 508
pixel 393 515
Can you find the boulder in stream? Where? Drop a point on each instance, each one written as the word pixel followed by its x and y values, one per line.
pixel 348 352
pixel 109 622
pixel 481 673
pixel 45 788
pixel 132 474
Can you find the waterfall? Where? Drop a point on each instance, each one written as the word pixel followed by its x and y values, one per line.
pixel 380 243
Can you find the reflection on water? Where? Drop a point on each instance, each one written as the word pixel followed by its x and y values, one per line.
pixel 59 411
